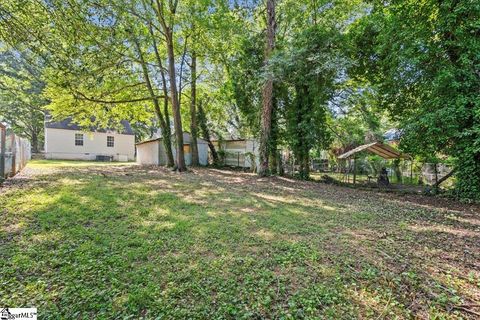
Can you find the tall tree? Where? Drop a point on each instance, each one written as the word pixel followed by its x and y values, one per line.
pixel 166 14
pixel 21 99
pixel 166 130
pixel 308 72
pixel 267 94
pixel 193 109
pixel 164 123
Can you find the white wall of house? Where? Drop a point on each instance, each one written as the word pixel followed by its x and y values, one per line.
pixel 60 144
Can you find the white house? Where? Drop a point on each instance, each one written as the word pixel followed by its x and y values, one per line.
pixel 68 141
pixel 152 152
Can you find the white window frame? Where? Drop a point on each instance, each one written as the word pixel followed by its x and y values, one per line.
pixel 110 141
pixel 79 139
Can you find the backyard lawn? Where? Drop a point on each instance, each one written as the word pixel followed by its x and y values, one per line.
pixel 97 241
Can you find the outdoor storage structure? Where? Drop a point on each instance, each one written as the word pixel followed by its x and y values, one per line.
pixel 66 140
pixel 380 149
pixel 152 152
pixel 239 152
pixel 15 152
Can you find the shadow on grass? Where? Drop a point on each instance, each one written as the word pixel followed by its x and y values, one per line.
pixel 119 242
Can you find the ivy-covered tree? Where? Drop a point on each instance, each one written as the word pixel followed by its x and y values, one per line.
pixel 308 69
pixel 423 59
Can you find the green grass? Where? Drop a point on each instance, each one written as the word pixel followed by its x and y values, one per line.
pixel 102 242
pixel 42 164
pixel 362 178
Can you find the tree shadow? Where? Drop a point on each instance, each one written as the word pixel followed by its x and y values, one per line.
pixel 147 242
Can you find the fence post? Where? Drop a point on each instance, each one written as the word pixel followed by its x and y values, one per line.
pixel 14 155
pixel 2 151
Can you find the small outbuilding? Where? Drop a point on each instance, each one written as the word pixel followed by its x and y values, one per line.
pixel 152 152
pixel 380 149
pixel 239 152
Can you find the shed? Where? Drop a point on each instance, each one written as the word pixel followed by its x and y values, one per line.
pixel 152 152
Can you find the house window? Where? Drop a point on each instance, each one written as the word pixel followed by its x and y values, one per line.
pixel 110 141
pixel 79 139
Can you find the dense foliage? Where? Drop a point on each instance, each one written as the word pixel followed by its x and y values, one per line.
pixel 338 73
pixel 423 59
pixel 21 98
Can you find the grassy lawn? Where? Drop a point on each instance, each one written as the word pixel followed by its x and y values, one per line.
pixel 97 241
pixel 46 164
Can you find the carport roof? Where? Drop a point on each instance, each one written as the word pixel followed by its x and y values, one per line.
pixel 383 150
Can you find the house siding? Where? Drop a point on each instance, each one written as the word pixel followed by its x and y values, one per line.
pixel 60 144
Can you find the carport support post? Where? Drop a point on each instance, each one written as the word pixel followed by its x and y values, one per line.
pixel 2 152
pixel 355 170
pixel 411 171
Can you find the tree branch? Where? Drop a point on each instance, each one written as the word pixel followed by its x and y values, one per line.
pixel 82 96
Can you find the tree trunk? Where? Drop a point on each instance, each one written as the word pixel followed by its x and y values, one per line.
pixel 34 141
pixel 273 141
pixel 445 177
pixel 435 185
pixel 398 172
pixel 304 162
pixel 177 118
pixel 163 124
pixel 166 131
pixel 281 169
pixel 202 121
pixel 168 33
pixel 193 111
pixel 267 94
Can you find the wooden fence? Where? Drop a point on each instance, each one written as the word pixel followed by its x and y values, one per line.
pixel 15 152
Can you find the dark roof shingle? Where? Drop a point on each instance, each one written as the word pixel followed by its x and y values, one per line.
pixel 67 124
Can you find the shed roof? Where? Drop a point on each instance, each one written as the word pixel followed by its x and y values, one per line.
pixel 383 150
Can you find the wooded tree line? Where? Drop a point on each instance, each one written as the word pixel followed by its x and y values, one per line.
pixel 302 75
